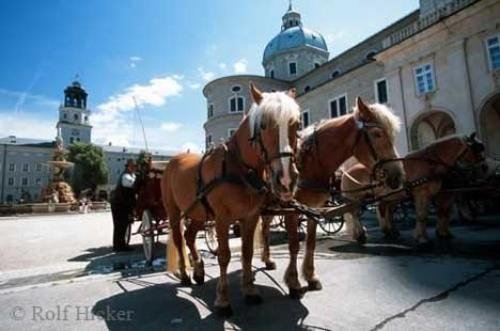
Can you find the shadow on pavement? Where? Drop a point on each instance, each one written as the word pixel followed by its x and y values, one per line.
pixel 173 307
pixel 102 260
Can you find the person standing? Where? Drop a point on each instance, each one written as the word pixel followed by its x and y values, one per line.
pixel 122 206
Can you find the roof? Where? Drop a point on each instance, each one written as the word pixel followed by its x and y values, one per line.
pixel 20 141
pixel 136 150
pixel 294 37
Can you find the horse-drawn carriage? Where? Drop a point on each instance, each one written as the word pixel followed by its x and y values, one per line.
pixel 236 181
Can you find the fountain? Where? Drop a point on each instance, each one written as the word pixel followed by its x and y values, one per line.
pixel 58 191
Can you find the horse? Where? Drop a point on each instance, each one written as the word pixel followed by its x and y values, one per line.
pixel 368 133
pixel 442 163
pixel 232 182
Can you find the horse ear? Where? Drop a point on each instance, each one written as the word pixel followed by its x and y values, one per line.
pixel 292 93
pixel 255 93
pixel 364 112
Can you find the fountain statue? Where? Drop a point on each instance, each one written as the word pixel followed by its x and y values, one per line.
pixel 58 191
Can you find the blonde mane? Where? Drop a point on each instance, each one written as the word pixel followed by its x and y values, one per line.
pixel 277 106
pixel 385 117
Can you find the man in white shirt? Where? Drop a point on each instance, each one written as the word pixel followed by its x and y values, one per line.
pixel 122 206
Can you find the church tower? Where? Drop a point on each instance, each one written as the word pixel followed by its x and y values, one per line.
pixel 74 122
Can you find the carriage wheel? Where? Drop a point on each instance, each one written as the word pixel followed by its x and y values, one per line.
pixel 211 238
pixel 332 225
pixel 128 234
pixel 147 235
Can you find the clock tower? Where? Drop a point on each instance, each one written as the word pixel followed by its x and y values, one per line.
pixel 74 123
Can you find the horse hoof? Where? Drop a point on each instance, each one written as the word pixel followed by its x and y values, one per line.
pixel 225 311
pixel 254 299
pixel 199 278
pixel 314 285
pixel 270 265
pixel 296 293
pixel 361 240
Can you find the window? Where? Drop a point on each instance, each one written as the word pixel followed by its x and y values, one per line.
pixel 38 181
pixel 71 140
pixel 292 68
pixel 209 140
pixel 338 106
pixel 38 167
pixel 210 111
pixel 10 182
pixel 493 48
pixel 424 79
pixel 236 89
pixel 65 116
pixel 316 65
pixel 271 74
pixel 236 104
pixel 75 117
pixel 26 167
pixel 336 73
pixel 304 119
pixel 10 198
pixel 24 181
pixel 307 88
pixel 230 132
pixel 86 118
pixel 381 90
pixel 370 56
pixel 12 167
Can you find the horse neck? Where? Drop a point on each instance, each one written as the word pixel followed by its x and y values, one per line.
pixel 334 145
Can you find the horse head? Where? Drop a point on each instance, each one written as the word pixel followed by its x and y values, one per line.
pixel 273 123
pixel 473 153
pixel 377 127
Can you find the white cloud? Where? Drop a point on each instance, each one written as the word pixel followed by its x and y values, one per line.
pixel 240 66
pixel 193 85
pixel 27 125
pixel 135 58
pixel 153 94
pixel 222 65
pixel 29 99
pixel 170 126
pixel 206 75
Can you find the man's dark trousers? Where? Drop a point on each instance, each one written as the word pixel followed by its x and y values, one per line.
pixel 121 214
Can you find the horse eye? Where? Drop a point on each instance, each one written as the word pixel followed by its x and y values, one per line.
pixel 377 134
pixel 263 126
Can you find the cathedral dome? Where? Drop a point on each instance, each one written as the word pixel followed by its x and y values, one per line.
pixel 294 37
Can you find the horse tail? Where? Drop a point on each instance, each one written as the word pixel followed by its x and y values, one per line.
pixel 174 215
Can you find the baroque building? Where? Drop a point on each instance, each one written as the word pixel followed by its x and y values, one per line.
pixel 438 68
pixel 23 161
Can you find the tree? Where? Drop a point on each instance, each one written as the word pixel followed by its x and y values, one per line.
pixel 90 169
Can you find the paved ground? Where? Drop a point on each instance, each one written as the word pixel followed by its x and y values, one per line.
pixel 58 273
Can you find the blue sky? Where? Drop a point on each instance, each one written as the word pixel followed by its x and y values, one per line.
pixel 160 51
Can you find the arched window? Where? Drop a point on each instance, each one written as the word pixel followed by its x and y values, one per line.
pixel 336 73
pixel 210 111
pixel 75 117
pixel 370 56
pixel 307 88
pixel 316 65
pixel 236 89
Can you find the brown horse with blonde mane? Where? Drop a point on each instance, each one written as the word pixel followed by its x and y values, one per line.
pixel 367 134
pixel 428 171
pixel 231 182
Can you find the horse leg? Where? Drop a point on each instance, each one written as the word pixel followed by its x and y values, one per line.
pixel 176 233
pixel 197 261
pixel 421 201
pixel 444 203
pixel 358 233
pixel 266 253
pixel 248 288
pixel 313 282
pixel 385 212
pixel 291 274
pixel 222 305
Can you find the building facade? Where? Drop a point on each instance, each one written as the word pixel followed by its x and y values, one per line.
pixel 24 170
pixel 438 68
